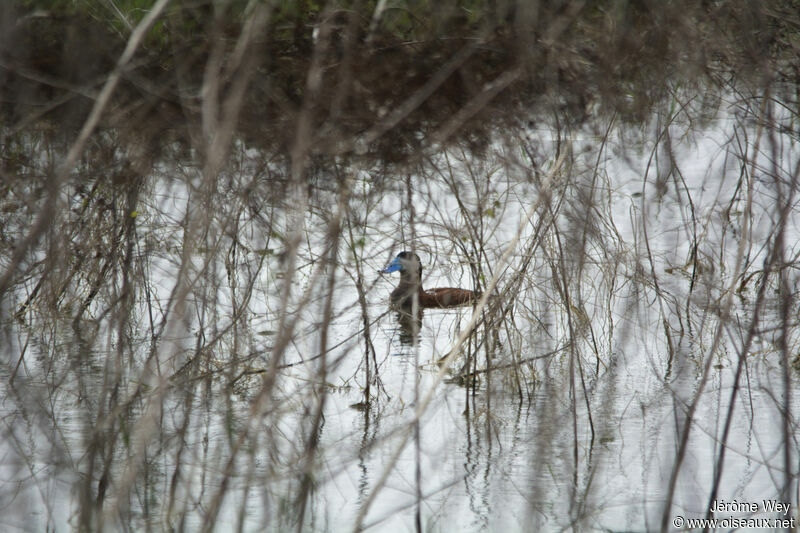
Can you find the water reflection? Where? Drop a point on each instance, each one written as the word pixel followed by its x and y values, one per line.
pixel 409 326
pixel 178 397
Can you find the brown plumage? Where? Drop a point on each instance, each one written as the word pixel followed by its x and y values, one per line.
pixel 410 268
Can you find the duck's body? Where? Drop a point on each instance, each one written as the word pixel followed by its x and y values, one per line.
pixel 441 298
pixel 410 268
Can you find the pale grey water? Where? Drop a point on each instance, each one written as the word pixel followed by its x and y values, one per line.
pixel 488 459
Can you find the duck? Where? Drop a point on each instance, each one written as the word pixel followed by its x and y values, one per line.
pixel 410 268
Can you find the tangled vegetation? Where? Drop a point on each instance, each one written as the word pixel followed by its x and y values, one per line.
pixel 196 195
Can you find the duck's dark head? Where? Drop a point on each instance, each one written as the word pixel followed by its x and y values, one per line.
pixel 407 263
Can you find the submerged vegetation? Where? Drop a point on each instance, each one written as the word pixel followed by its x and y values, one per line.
pixel 196 197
